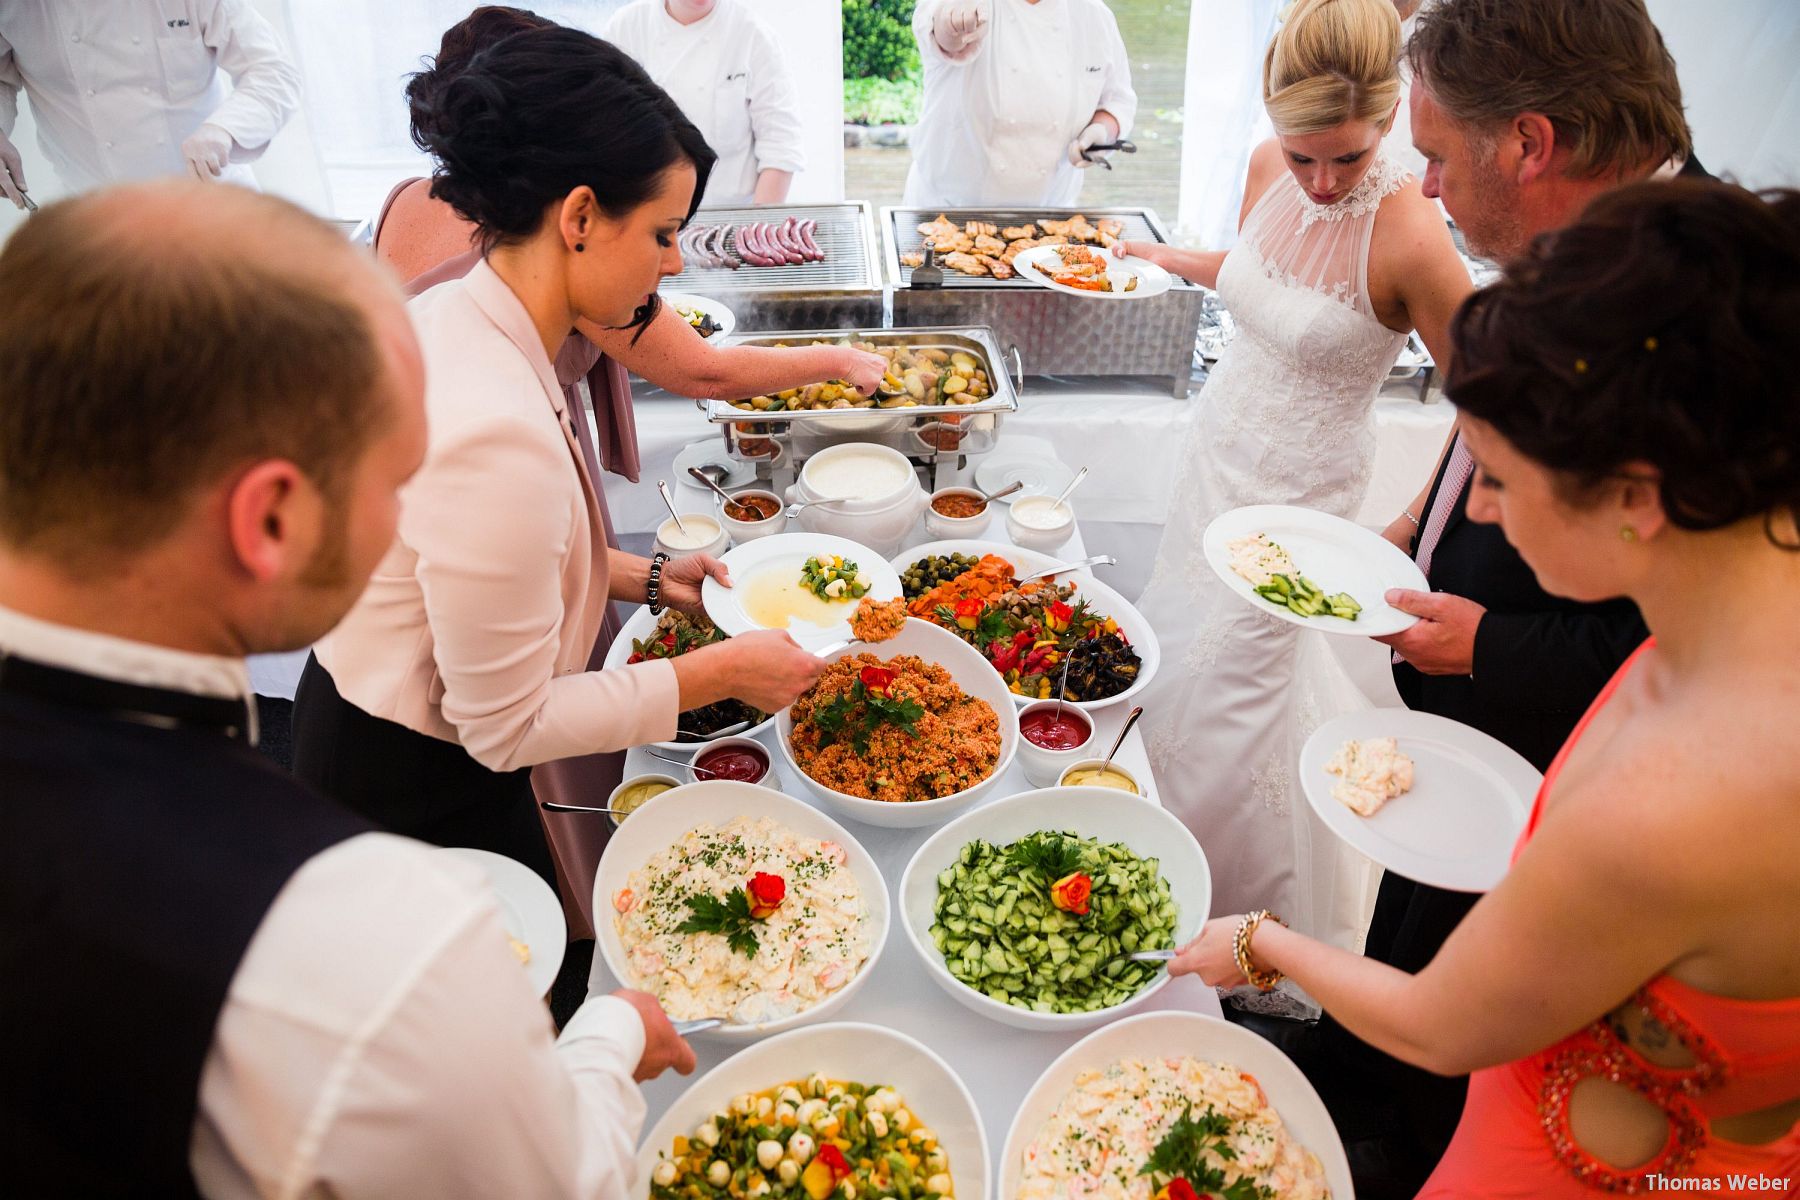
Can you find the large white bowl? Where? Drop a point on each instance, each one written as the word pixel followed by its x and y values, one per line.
pixel 884 521
pixel 661 822
pixel 973 675
pixel 1173 1035
pixel 855 1053
pixel 639 626
pixel 1132 624
pixel 1104 813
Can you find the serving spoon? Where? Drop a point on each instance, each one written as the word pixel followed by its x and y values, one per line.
pixel 701 1025
pixel 669 503
pixel 1123 730
pixel 1098 560
pixel 552 806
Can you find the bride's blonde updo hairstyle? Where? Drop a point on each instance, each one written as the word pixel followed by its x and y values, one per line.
pixel 1333 61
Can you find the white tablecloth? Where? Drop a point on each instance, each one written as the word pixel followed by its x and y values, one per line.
pixel 998 1063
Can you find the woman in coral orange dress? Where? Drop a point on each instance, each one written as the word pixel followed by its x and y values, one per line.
pixel 1628 997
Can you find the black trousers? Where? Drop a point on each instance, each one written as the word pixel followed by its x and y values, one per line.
pixel 411 783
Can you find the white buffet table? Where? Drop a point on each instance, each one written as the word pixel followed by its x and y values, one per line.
pixel 996 1062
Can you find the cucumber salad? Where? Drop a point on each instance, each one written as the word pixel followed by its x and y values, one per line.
pixel 1043 923
pixel 810 1139
pixel 1267 568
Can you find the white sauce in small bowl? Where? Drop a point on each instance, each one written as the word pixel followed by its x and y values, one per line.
pixel 701 531
pixel 1041 512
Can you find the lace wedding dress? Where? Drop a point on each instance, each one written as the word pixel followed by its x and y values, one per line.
pixel 1286 417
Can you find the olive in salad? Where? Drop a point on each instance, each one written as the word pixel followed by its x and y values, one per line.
pixel 677 633
pixel 810 1139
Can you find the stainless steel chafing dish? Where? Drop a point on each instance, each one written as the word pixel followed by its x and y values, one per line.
pixel 843 290
pixel 922 431
pixel 1056 334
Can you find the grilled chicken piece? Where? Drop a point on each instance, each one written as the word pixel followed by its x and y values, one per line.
pixel 1015 248
pixel 942 227
pixel 1111 227
pixel 976 228
pixel 989 245
pixel 1000 268
pixel 1056 228
pixel 913 258
pixel 1016 233
pixel 968 264
pixel 1080 230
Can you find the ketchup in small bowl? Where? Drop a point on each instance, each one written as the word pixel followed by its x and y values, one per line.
pixel 1052 731
pixel 738 759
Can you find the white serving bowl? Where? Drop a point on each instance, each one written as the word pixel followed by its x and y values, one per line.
pixel 855 1053
pixel 1143 828
pixel 1132 624
pixel 973 675
pixel 1036 537
pixel 1088 762
pixel 938 525
pixel 749 531
pixel 883 520
pixel 1175 1035
pixel 740 741
pixel 662 821
pixel 632 781
pixel 639 626
pixel 714 545
pixel 1045 767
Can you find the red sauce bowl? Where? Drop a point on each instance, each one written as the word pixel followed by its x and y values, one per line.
pixel 1047 730
pixel 741 759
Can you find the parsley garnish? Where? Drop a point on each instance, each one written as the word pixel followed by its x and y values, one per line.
pixel 861 712
pixel 729 917
pixel 1055 854
pixel 1182 1155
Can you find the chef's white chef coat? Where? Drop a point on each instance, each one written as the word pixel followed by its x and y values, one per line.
pixel 727 73
pixel 996 126
pixel 118 85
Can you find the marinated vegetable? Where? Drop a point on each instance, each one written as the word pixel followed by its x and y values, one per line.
pixel 677 633
pixel 931 571
pixel 833 577
pixel 1043 923
pixel 810 1139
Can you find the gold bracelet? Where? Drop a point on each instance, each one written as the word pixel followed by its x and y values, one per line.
pixel 1263 981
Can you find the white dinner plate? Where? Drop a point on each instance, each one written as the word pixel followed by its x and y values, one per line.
pixel 1337 555
pixel 712 453
pixel 1037 263
pixel 785 554
pixel 1041 476
pixel 637 627
pixel 1457 826
pixel 705 304
pixel 1179 1034
pixel 528 908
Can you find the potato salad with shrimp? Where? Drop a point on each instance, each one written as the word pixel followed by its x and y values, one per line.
pixel 748 921
pixel 1143 1128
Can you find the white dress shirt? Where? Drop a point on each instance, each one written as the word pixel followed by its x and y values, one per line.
pixel 118 85
pixel 729 76
pixel 997 123
pixel 379 1039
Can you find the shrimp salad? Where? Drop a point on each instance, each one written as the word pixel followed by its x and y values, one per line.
pixel 809 945
pixel 1105 1131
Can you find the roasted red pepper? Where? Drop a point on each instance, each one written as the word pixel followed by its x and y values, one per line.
pixel 1071 892
pixel 766 893
pixel 1058 616
pixel 832 1157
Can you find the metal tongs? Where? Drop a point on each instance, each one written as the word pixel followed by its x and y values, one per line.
pixel 1122 146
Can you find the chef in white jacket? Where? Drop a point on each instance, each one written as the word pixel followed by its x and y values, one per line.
pixel 725 69
pixel 1015 91
pixel 132 89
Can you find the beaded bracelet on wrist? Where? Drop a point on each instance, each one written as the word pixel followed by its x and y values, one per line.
pixel 653 589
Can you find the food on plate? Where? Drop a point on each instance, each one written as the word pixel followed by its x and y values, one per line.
pixel 1044 923
pixel 1266 567
pixel 675 634
pixel 877 620
pixel 1100 776
pixel 1041 512
pixel 856 473
pixel 1141 1128
pixel 753 506
pixel 520 950
pixel 782 593
pixel 747 920
pixel 807 1139
pixel 634 796
pixel 1082 268
pixel 895 730
pixel 757 244
pixel 833 577
pixel 702 322
pixel 923 376
pixel 1026 631
pixel 1055 731
pixel 693 532
pixel 1370 773
pixel 736 761
pixel 981 249
pixel 958 504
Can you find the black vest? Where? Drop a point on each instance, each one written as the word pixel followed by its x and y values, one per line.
pixel 141 842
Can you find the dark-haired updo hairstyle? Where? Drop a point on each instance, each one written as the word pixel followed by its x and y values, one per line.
pixel 479 30
pixel 1660 328
pixel 519 124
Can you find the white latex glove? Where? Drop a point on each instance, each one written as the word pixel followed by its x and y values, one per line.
pixel 207 150
pixel 960 26
pixel 1097 133
pixel 12 172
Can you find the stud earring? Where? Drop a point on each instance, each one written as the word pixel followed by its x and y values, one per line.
pixel 1627 533
pixel 580 246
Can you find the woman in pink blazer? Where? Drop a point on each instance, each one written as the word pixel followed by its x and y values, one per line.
pixel 465 663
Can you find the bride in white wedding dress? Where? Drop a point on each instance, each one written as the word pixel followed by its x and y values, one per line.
pixel 1339 254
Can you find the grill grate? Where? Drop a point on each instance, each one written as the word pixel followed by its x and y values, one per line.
pixel 903 237
pixel 843 234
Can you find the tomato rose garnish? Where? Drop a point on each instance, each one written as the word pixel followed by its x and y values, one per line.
pixel 1178 1189
pixel 877 679
pixel 968 612
pixel 766 893
pixel 1071 892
